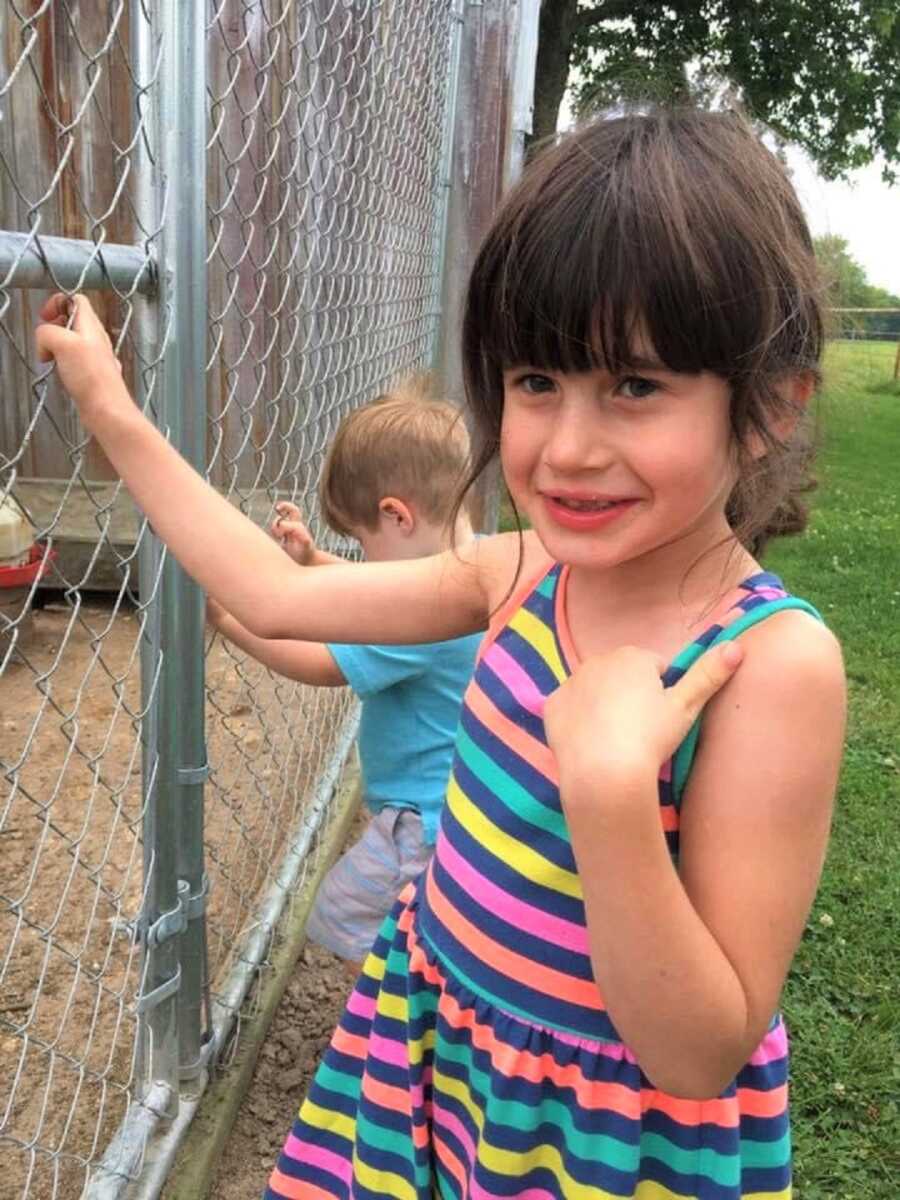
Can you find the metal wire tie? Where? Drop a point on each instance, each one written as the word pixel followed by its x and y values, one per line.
pixel 163 992
pixel 193 1069
pixel 195 905
pixel 192 775
pixel 173 922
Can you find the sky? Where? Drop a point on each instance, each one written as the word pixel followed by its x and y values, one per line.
pixel 864 210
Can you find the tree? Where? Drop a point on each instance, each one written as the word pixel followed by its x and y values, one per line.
pixel 848 287
pixel 844 278
pixel 821 73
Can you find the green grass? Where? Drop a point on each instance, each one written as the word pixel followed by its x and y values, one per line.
pixel 842 1002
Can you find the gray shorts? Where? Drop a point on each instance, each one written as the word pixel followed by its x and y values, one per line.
pixel 359 890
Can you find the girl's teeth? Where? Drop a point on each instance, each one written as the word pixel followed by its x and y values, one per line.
pixel 586 505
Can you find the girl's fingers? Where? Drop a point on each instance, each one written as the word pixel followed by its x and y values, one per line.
pixel 56 308
pixel 86 319
pixel 61 308
pixel 707 676
pixel 50 339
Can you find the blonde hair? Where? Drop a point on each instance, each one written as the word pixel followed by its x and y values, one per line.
pixel 406 443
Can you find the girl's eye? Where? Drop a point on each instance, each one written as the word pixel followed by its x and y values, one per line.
pixel 535 385
pixel 635 387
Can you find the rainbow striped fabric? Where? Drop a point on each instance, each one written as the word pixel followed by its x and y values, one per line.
pixel 476 1059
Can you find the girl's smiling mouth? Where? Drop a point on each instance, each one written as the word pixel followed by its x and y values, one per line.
pixel 580 510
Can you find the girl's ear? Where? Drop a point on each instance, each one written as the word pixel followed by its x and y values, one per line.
pixel 797 390
pixel 803 387
pixel 397 514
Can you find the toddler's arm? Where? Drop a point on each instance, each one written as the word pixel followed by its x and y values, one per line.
pixel 307 662
pixel 417 600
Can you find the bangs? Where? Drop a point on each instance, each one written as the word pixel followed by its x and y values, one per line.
pixel 560 312
pixel 612 249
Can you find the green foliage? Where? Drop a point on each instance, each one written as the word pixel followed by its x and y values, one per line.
pixel 846 279
pixel 822 73
pixel 848 287
pixel 841 1004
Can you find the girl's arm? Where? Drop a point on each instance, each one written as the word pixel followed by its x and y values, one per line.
pixel 307 662
pixel 691 962
pixel 233 560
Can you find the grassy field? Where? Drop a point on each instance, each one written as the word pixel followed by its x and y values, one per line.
pixel 842 1002
pixel 843 998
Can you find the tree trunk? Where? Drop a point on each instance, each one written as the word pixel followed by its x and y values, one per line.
pixel 555 33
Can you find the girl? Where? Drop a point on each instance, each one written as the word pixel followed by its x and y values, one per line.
pixel 579 997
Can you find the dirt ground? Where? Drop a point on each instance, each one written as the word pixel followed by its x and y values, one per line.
pixel 71 870
pixel 299 1033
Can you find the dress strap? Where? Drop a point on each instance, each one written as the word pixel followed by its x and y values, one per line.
pixel 684 756
pixel 544 579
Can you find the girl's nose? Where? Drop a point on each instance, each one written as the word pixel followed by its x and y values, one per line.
pixel 577 441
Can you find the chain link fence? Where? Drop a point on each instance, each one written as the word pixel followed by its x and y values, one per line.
pixel 865 324
pixel 876 332
pixel 253 195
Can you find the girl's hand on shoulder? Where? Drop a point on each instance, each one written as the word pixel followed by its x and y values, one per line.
pixel 613 719
pixel 83 353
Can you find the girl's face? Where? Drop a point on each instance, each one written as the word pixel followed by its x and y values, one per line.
pixel 609 468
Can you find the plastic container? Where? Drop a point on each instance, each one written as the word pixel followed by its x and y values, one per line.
pixel 16 535
pixel 22 562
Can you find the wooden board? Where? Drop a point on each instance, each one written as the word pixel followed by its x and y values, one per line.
pixel 77 517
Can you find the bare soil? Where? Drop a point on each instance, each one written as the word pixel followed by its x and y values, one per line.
pixel 71 871
pixel 299 1034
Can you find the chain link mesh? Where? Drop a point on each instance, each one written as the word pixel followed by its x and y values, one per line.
pixel 326 125
pixel 325 122
pixel 71 700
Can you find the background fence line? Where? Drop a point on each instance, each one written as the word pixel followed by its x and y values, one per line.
pixel 265 202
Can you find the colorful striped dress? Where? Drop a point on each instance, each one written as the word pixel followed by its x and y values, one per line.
pixel 475 1058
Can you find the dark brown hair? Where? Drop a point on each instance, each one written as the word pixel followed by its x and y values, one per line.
pixel 406 443
pixel 679 224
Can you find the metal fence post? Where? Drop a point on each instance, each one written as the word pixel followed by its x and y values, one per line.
pixel 174 987
pixel 497 49
pixel 148 203
pixel 444 180
pixel 182 750
pixel 158 999
pixel 157 1066
pixel 498 45
pixel 522 90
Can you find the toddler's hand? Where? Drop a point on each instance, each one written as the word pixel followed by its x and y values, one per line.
pixel 614 716
pixel 87 366
pixel 295 538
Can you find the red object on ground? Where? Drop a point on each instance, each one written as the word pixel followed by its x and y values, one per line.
pixel 39 560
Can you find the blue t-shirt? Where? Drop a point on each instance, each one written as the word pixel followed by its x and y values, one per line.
pixel 411 697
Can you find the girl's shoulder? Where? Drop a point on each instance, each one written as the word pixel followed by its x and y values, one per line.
pixel 792 639
pixel 792 662
pixel 509 565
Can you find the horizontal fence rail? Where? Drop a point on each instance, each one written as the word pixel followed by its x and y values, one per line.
pixel 72 264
